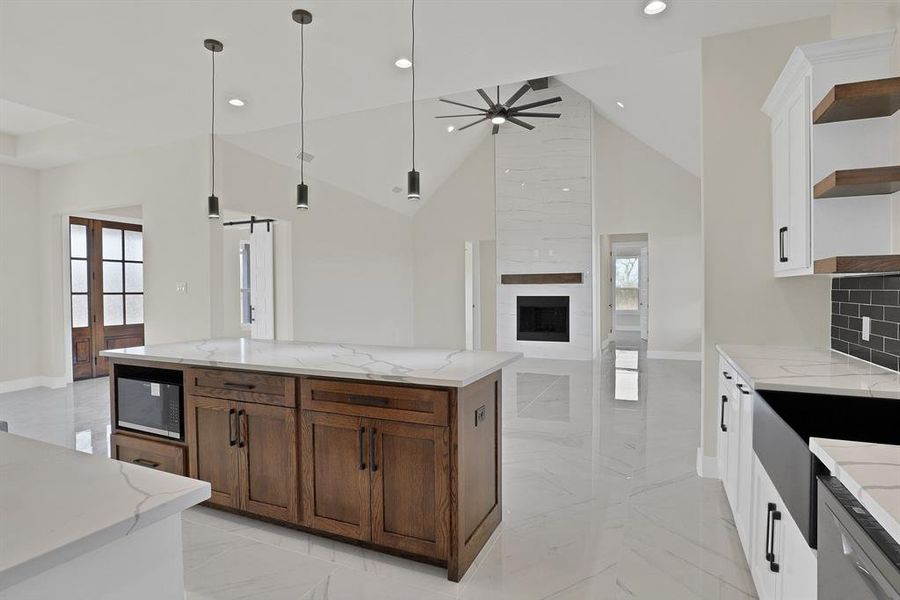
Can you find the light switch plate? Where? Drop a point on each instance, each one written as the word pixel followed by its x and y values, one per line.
pixel 181 287
pixel 867 328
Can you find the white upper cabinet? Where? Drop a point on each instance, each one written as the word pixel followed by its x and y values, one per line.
pixel 806 229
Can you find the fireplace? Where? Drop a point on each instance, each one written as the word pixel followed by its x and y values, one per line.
pixel 542 318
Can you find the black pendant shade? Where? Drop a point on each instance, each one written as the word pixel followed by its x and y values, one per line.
pixel 412 185
pixel 213 208
pixel 214 46
pixel 302 196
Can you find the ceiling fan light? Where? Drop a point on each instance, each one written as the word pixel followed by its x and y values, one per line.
pixel 654 7
pixel 412 185
pixel 498 120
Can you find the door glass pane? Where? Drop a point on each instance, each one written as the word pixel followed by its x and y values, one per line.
pixel 78 241
pixel 134 245
pixel 112 309
pixel 112 244
pixel 79 276
pixel 134 277
pixel 112 277
pixel 79 311
pixel 134 308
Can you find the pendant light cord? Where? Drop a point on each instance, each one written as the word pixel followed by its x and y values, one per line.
pixel 302 88
pixel 413 96
pixel 212 135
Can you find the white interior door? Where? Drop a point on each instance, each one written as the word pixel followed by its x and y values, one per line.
pixel 262 283
pixel 643 291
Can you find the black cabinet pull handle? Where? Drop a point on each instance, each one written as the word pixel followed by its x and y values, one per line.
pixel 722 424
pixel 727 376
pixel 774 566
pixel 741 387
pixel 372 451
pixel 240 431
pixel 145 463
pixel 769 509
pixel 781 256
pixel 238 386
pixel 231 440
pixel 362 459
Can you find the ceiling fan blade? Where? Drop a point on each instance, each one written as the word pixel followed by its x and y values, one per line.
pixel 473 123
pixel 542 115
pixel 463 115
pixel 536 104
pixel 495 129
pixel 461 104
pixel 515 121
pixel 519 93
pixel 487 98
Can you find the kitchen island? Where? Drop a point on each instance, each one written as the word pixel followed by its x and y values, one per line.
pixel 392 448
pixel 85 527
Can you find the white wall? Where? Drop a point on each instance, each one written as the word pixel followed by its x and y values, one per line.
pixel 638 190
pixel 461 210
pixel 744 302
pixel 20 317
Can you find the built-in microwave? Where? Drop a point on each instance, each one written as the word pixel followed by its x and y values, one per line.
pixel 150 401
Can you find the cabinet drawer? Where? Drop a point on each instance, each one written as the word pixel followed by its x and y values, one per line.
pixel 147 453
pixel 391 402
pixel 244 386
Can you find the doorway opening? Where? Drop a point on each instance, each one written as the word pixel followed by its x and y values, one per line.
pixel 249 275
pixel 106 291
pixel 630 287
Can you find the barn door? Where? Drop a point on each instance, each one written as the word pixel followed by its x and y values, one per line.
pixel 262 284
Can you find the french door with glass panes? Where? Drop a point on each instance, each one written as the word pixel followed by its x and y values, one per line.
pixel 107 291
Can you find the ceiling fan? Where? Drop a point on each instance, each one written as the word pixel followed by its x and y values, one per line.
pixel 507 111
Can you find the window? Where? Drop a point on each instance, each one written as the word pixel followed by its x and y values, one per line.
pixel 627 282
pixel 123 276
pixel 78 240
pixel 246 309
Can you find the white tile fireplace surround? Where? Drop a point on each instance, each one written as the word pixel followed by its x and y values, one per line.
pixel 544 220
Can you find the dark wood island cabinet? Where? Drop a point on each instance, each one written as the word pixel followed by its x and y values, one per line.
pixel 402 467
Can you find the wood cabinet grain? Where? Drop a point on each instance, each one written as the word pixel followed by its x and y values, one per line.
pixel 212 442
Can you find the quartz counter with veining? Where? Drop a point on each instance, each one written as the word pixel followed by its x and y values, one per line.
pixel 422 366
pixel 60 507
pixel 810 371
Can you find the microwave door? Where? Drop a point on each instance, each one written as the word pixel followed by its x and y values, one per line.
pixel 141 407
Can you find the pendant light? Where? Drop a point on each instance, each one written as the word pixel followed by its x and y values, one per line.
pixel 214 46
pixel 304 18
pixel 412 178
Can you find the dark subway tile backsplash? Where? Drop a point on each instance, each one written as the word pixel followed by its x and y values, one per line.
pixel 873 296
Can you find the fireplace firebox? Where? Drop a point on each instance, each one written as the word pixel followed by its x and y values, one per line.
pixel 542 318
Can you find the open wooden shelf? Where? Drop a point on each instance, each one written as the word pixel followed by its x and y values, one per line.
pixel 859 182
pixel 540 278
pixel 837 265
pixel 859 100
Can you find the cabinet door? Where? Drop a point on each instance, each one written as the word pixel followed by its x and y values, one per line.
pixel 722 433
pixel 762 504
pixel 744 516
pixel 268 443
pixel 410 487
pixel 733 435
pixel 797 561
pixel 214 454
pixel 335 474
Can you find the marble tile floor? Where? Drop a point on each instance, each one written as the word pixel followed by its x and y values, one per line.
pixel 601 499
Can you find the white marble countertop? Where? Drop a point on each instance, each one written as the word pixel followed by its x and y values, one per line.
pixel 871 472
pixel 56 503
pixel 424 366
pixel 810 370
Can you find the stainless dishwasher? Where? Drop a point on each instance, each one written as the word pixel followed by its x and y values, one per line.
pixel 858 559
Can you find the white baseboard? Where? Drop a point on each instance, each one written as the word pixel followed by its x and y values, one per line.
pixel 707 466
pixel 628 328
pixel 671 355
pixel 14 385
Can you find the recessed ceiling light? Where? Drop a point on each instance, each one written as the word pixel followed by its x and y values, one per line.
pixel 619 104
pixel 654 7
pixel 450 128
pixel 506 170
pixel 567 189
pixel 498 120
pixel 236 102
pixel 403 63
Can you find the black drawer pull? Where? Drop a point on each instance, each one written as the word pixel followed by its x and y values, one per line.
pixel 722 424
pixel 145 463
pixel 362 459
pixel 740 386
pixel 372 451
pixel 781 256
pixel 238 386
pixel 231 440
pixel 367 400
pixel 727 376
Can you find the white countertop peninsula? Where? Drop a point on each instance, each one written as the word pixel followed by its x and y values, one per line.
pixel 871 472
pixel 421 366
pixel 811 371
pixel 74 525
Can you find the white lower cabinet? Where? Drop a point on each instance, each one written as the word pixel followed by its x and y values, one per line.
pixel 782 564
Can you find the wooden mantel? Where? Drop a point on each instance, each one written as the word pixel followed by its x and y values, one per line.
pixel 541 278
